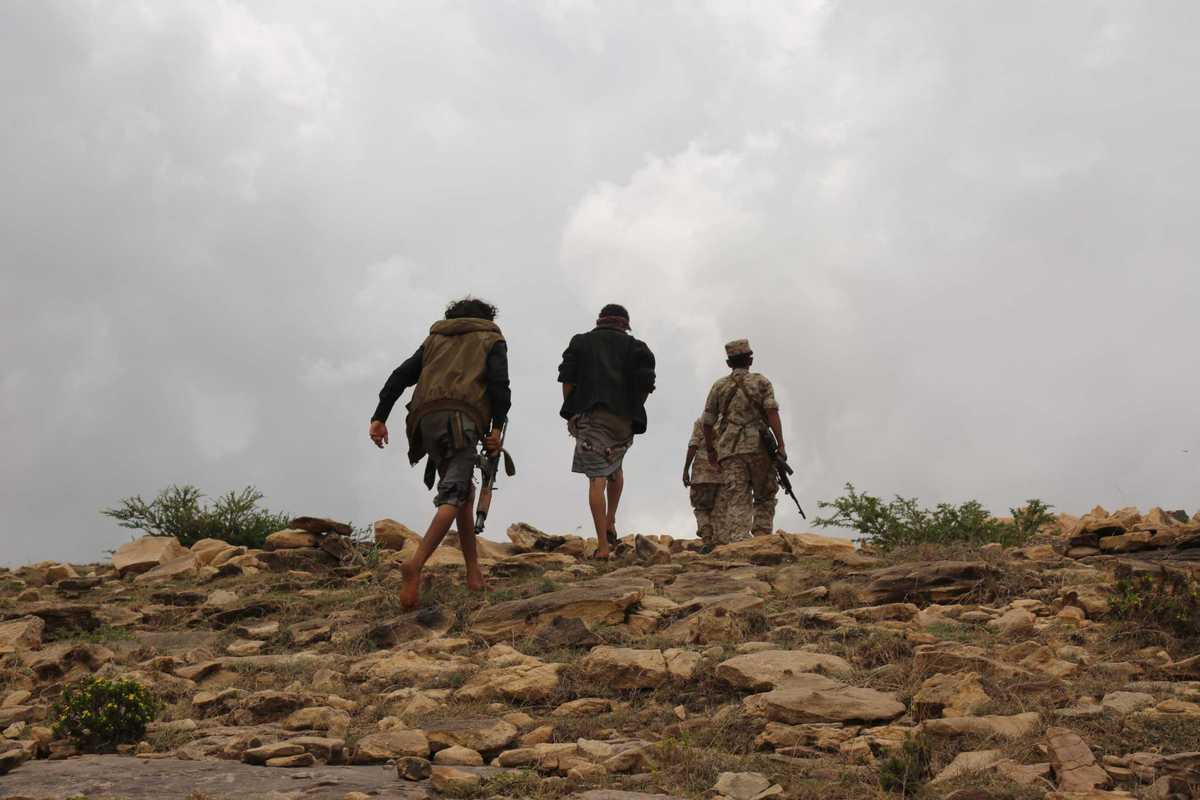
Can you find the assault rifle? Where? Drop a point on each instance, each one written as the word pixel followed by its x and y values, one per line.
pixel 489 465
pixel 782 468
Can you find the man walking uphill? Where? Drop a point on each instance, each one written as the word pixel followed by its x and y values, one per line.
pixel 462 398
pixel 740 409
pixel 606 375
pixel 703 480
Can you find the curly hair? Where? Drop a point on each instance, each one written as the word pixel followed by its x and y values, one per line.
pixel 472 307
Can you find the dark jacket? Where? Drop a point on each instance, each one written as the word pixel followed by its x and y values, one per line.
pixel 608 368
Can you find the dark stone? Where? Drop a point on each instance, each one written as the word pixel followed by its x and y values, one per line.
pixel 411 768
pixel 566 632
pixel 320 525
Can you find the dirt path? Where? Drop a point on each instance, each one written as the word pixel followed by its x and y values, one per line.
pixel 129 778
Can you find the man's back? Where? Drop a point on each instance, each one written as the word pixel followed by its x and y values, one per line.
pixel 609 368
pixel 739 414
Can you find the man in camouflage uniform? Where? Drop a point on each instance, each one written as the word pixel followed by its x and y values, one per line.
pixel 702 480
pixel 740 408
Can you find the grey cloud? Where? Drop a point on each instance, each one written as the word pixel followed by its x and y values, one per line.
pixel 961 237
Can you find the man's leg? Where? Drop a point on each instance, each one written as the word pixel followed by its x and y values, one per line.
pixel 704 498
pixel 596 489
pixel 410 594
pixel 766 487
pixel 612 491
pixel 737 501
pixel 466 539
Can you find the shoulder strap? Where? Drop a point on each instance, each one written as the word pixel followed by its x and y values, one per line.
pixel 729 400
pixel 741 387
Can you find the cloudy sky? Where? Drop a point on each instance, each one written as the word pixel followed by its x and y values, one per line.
pixel 962 238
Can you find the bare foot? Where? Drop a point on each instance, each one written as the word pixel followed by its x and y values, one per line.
pixel 410 593
pixel 475 581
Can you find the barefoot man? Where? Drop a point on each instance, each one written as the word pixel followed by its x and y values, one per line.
pixel 462 398
pixel 606 375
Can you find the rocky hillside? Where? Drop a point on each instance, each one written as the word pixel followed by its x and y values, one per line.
pixel 790 666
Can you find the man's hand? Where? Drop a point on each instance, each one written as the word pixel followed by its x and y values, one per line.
pixel 782 451
pixel 712 457
pixel 687 478
pixel 491 442
pixel 378 433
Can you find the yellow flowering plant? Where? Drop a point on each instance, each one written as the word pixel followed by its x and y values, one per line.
pixel 99 713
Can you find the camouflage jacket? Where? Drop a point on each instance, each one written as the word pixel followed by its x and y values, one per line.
pixel 739 416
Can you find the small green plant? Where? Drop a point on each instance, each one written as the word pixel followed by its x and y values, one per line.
pixel 234 517
pixel 98 713
pixel 903 522
pixel 1167 600
pixel 907 769
pixel 102 635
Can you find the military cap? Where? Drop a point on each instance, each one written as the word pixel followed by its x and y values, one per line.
pixel 738 347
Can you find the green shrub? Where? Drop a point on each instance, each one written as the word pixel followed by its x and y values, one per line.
pixel 178 511
pixel 903 522
pixel 98 714
pixel 906 769
pixel 1167 600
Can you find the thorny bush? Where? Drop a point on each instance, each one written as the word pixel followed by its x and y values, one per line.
pixel 903 522
pixel 178 511
pixel 1167 600
pixel 98 714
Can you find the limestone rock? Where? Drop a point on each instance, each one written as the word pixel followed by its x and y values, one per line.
pixel 304 759
pixel 392 535
pixel 141 555
pixel 1015 726
pixel 320 525
pixel 745 786
pixel 291 540
pixel 968 763
pixel 267 752
pixel 593 602
pixel 957 694
pixel 377 748
pixel 454 781
pixel 510 675
pixel 1015 622
pixel 457 756
pixel 720 618
pixel 487 736
pixel 1126 542
pixel 628 668
pixel 318 718
pixel 930 582
pixel 22 633
pixel 527 539
pixel 181 567
pixel 815 698
pixel 1127 702
pixel 1074 764
pixel 767 669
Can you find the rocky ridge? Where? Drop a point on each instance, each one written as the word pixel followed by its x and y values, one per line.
pixel 789 665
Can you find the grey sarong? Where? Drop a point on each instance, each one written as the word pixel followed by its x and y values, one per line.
pixel 601 440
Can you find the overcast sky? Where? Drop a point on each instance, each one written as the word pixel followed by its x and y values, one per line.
pixel 962 238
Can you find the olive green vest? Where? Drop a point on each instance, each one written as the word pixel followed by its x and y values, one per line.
pixel 454 373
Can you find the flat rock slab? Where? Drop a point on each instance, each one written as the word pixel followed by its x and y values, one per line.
pixel 173 779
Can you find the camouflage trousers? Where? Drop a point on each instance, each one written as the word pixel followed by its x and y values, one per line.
pixel 704 499
pixel 746 502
